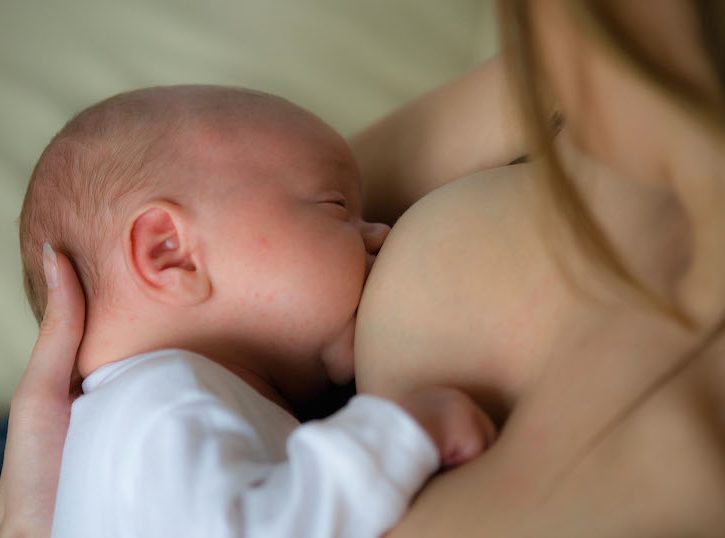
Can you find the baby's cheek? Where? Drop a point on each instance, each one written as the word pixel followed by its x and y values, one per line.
pixel 349 274
pixel 338 356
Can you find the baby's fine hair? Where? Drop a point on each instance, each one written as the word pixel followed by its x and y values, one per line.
pixel 103 161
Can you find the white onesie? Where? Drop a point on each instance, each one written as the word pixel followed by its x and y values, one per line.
pixel 170 444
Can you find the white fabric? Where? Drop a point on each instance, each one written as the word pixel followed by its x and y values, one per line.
pixel 170 444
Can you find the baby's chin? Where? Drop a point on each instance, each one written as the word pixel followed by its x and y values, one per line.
pixel 338 355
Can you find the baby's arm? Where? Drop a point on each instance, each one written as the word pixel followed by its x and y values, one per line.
pixel 351 475
pixel 469 124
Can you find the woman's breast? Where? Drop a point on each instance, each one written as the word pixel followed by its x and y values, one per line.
pixel 463 293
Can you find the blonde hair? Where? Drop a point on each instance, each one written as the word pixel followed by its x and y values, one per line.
pixel 598 21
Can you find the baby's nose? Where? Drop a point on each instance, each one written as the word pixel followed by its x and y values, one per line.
pixel 374 234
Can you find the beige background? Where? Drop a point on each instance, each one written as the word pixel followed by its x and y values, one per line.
pixel 349 61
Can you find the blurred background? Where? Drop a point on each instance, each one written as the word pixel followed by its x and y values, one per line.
pixel 348 61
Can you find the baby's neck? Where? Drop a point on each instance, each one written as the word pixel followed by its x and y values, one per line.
pixel 111 341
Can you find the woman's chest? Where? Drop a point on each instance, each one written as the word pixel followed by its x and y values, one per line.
pixel 654 466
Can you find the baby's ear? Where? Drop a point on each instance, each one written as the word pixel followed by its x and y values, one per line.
pixel 163 257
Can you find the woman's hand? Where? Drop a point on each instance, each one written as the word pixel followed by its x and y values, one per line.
pixel 40 408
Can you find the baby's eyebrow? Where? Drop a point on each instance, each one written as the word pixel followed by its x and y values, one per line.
pixel 338 171
pixel 337 163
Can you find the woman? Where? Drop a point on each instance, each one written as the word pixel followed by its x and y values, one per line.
pixel 598 342
pixel 603 346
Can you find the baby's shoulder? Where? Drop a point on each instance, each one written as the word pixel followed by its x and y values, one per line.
pixel 167 385
pixel 172 389
pixel 161 378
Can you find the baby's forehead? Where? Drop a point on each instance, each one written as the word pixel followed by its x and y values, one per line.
pixel 291 140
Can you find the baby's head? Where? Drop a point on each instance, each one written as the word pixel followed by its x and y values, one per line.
pixel 218 219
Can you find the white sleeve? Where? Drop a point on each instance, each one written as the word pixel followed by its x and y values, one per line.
pixel 350 475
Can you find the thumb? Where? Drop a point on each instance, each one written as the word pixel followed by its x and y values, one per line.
pixel 53 358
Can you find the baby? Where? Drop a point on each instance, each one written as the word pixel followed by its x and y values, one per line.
pixel 218 231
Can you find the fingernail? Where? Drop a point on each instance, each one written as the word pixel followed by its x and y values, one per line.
pixel 50 266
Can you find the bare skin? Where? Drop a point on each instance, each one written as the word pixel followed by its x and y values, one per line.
pixel 563 391
pixel 582 454
pixel 466 290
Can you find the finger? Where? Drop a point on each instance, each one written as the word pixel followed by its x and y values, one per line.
pixel 3 500
pixel 53 357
